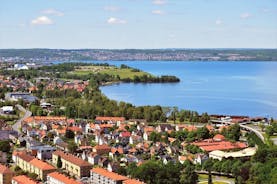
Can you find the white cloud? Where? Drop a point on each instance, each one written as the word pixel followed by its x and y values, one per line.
pixel 53 12
pixel 111 8
pixel 218 22
pixel 113 20
pixel 245 15
pixel 159 2
pixel 266 10
pixel 43 20
pixel 158 12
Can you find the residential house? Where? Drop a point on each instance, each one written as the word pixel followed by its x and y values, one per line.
pixel 200 158
pixel 164 127
pixel 110 120
pixel 101 149
pixel 93 158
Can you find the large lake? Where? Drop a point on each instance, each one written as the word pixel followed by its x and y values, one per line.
pixel 233 88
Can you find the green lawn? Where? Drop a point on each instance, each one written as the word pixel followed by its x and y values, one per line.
pixel 111 70
pixel 204 177
pixel 216 182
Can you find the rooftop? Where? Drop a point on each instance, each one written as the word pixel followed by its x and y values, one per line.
pixel 108 174
pixel 41 165
pixel 71 158
pixel 132 181
pixel 22 179
pixel 63 178
pixel 100 118
pixel 4 169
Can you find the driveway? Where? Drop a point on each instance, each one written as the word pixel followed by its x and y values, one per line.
pixel 27 114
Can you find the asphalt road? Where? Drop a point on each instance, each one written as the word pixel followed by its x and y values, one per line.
pixel 27 114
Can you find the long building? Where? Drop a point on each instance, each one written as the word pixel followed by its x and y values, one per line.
pixel 22 179
pixel 33 165
pixel 103 176
pixel 58 178
pixel 74 165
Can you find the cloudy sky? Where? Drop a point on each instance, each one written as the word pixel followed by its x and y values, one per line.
pixel 118 24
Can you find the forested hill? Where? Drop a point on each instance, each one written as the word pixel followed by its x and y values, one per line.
pixel 36 55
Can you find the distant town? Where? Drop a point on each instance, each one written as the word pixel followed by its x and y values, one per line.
pixel 58 128
pixel 49 55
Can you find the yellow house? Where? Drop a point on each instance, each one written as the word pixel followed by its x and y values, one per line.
pixel 74 165
pixel 5 175
pixel 33 165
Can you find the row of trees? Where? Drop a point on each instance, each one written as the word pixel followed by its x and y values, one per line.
pixel 156 172
pixel 152 79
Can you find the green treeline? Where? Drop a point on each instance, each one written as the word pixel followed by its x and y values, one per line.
pixel 156 172
pixel 152 79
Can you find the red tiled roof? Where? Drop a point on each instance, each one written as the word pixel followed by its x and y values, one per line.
pixel 41 165
pixel 75 129
pixel 219 137
pixel 108 174
pixel 210 145
pixel 102 147
pixel 24 156
pixel 149 129
pixel 71 158
pixel 22 179
pixel 132 181
pixel 99 118
pixel 4 169
pixel 62 178
pixel 44 118
pixel 106 126
pixel 125 134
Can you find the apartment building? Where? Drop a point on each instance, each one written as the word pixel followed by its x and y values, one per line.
pixel 73 164
pixel 103 176
pixel 33 165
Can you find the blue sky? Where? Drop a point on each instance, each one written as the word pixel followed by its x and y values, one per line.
pixel 119 24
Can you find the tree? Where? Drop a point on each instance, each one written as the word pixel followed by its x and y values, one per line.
pixel 59 162
pixel 155 137
pixel 5 146
pixel 72 147
pixel 204 118
pixel 203 133
pixel 188 174
pixel 208 165
pixel 69 134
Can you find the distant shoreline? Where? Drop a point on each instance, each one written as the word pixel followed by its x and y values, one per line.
pixel 50 55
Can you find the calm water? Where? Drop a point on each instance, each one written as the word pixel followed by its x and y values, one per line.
pixel 234 88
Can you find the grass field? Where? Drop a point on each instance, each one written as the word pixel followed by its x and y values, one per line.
pixel 111 70
pixel 215 182
pixel 216 179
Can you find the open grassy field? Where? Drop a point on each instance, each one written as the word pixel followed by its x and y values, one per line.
pixel 203 179
pixel 111 70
